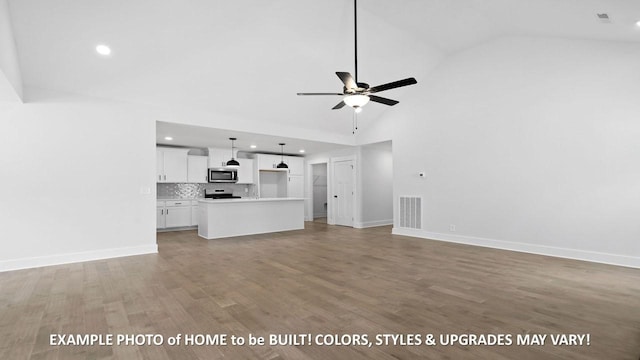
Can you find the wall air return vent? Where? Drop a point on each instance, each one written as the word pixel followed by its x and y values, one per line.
pixel 410 209
pixel 604 18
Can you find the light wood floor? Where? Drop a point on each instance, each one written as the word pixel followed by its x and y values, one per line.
pixel 321 280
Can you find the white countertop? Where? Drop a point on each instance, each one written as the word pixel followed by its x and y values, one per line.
pixel 177 198
pixel 245 200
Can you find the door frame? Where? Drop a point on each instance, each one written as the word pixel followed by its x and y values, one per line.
pixel 309 188
pixel 330 185
pixel 310 208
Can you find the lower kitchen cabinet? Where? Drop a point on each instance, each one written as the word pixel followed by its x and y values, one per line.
pixel 160 223
pixel 178 213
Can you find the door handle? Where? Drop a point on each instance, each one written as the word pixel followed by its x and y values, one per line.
pixel 335 196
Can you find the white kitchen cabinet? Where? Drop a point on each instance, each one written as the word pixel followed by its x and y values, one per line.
pixel 160 215
pixel 171 165
pixel 268 161
pixel 295 186
pixel 219 157
pixel 178 213
pixel 197 169
pixel 245 171
pixel 160 165
pixel 296 165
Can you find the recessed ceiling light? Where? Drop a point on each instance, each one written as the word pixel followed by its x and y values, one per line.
pixel 253 146
pixel 168 138
pixel 301 150
pixel 103 50
pixel 638 23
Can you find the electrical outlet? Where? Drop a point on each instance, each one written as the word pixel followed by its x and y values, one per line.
pixel 246 190
pixel 452 228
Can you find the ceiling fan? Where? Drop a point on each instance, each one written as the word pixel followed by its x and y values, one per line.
pixel 357 94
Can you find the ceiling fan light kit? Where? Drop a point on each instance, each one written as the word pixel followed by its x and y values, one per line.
pixel 356 101
pixel 357 94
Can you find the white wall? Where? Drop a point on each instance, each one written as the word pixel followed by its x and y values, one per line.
pixel 375 176
pixel 73 172
pixel 10 76
pixel 529 144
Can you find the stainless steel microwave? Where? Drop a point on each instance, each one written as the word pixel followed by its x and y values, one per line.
pixel 221 175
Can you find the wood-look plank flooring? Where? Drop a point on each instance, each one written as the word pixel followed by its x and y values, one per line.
pixel 321 280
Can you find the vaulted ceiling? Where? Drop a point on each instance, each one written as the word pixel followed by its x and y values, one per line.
pixel 250 57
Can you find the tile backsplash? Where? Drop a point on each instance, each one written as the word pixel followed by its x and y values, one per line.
pixel 192 191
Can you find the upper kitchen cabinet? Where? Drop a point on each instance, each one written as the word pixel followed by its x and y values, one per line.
pixel 219 157
pixel 268 161
pixel 296 165
pixel 171 165
pixel 245 171
pixel 197 169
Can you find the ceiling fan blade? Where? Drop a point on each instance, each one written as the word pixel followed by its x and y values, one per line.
pixel 393 85
pixel 340 105
pixel 347 79
pixel 320 94
pixel 382 100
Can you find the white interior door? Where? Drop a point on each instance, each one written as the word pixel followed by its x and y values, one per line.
pixel 343 194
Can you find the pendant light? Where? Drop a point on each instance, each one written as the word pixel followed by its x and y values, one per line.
pixel 282 165
pixel 233 162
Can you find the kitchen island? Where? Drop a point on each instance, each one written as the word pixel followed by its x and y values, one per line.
pixel 236 217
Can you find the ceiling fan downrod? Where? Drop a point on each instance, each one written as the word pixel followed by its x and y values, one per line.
pixel 356 94
pixel 355 33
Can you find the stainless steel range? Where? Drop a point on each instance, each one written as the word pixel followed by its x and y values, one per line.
pixel 219 194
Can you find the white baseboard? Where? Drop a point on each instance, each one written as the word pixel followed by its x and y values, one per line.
pixel 593 256
pixel 368 224
pixel 194 227
pixel 33 262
